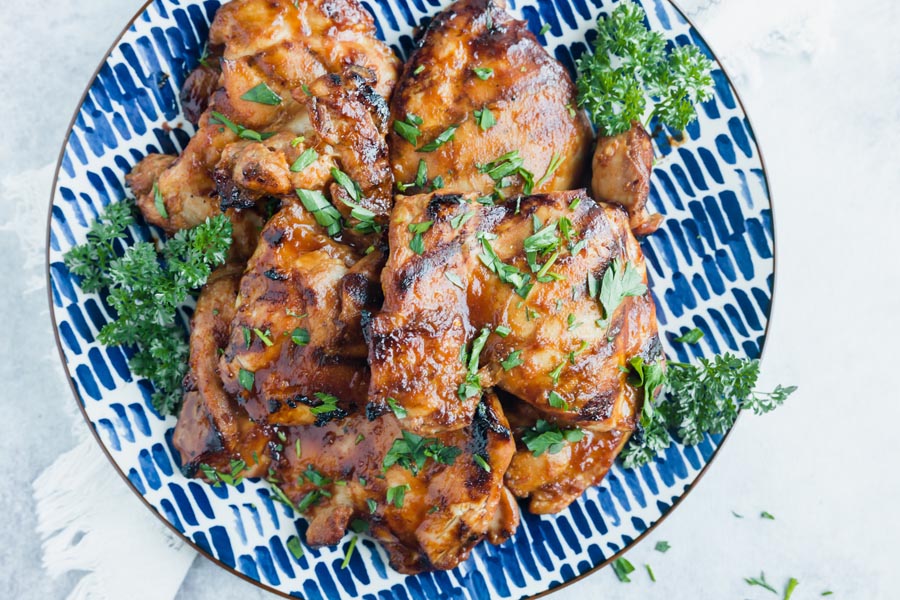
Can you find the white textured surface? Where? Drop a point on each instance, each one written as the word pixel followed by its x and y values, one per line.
pixel 821 82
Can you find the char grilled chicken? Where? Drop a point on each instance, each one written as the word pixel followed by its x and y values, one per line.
pixel 474 57
pixel 525 266
pixel 246 141
pixel 213 429
pixel 427 508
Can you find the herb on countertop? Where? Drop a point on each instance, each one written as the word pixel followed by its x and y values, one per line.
pixel 630 65
pixel 146 289
pixel 761 582
pixel 622 568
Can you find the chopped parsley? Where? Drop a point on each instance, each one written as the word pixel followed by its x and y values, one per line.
pixel 442 138
pixel 373 506
pixel 409 129
pixel 650 573
pixel 502 330
pixel 300 336
pixel 545 437
pixel 619 283
pixel 767 515
pixel 398 410
pixel 218 118
pixel 512 361
pixel 691 337
pixel 460 219
pixel 557 401
pixel 503 168
pixel 555 161
pixel 662 546
pixel 411 451
pixel 481 462
pixel 544 29
pixel 484 118
pixel 418 69
pixel 761 582
pixel 622 568
pixel 349 552
pixel 262 94
pixel 791 586
pixel 483 73
pixel 417 243
pixel 246 378
pixel 159 202
pixel 507 273
pixel 396 494
pixel 324 212
pixel 263 336
pixel 328 404
pixel 306 158
pixel 294 547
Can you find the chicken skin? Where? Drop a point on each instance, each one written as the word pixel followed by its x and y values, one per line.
pixel 621 174
pixel 429 501
pixel 482 84
pixel 295 339
pixel 254 124
pixel 213 430
pixel 514 295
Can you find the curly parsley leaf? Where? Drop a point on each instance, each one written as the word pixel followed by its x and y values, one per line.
pixel 146 290
pixel 699 398
pixel 630 65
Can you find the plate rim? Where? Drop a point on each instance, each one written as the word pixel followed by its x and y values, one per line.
pixel 233 570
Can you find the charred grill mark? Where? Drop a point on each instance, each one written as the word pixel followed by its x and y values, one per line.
pixel 362 290
pixel 275 275
pixel 323 359
pixel 375 410
pixel 598 408
pixel 334 415
pixel 273 237
pixel 420 267
pixel 365 322
pixel 441 203
pixel 483 423
pixel 230 194
pixel 274 405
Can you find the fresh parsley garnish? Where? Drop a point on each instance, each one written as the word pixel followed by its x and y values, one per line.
pixel 483 73
pixel 300 336
pixel 324 212
pixel 512 361
pixel 789 589
pixel 442 138
pixel 159 202
pixel 761 582
pixel 146 288
pixel 242 132
pixel 546 437
pixel 691 337
pixel 484 118
pixel 328 403
pixel 503 168
pixel 622 568
pixel 662 546
pixel 619 283
pixel 409 129
pixel 349 552
pixel 262 94
pixel 455 279
pixel 417 243
pixel 411 451
pixel 396 494
pixel 294 547
pixel 306 158
pixel 699 399
pixel 631 64
pixel 398 410
pixel 766 515
pixel 557 401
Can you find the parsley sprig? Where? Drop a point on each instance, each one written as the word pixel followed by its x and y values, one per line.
pixel 630 65
pixel 698 399
pixel 146 289
pixel 411 451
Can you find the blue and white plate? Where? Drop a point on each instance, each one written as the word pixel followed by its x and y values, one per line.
pixel 711 264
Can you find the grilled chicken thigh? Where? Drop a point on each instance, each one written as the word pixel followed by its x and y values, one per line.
pixel 428 514
pixel 296 337
pixel 480 78
pixel 213 429
pixel 254 125
pixel 621 174
pixel 528 280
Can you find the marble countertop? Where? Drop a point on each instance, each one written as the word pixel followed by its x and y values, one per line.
pixel 821 82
